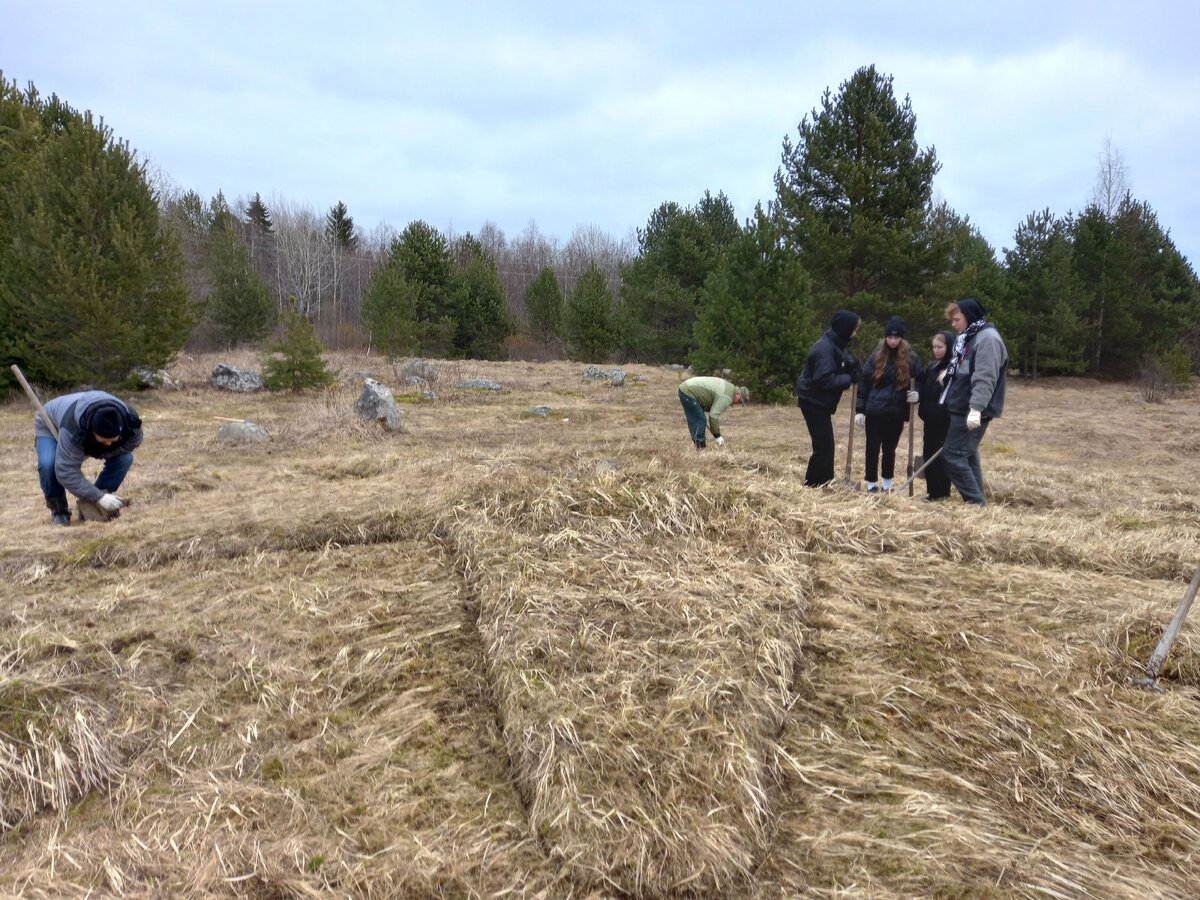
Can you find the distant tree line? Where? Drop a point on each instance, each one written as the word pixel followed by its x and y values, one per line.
pixel 854 223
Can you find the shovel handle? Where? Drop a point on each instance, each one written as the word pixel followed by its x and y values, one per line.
pixel 33 398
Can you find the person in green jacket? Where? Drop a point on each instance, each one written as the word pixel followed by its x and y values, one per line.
pixel 704 398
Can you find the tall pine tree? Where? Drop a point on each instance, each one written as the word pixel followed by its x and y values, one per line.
pixel 854 191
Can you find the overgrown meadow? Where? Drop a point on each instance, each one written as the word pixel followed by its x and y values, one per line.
pixel 569 656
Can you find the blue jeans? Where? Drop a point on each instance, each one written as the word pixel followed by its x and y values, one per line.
pixel 111 476
pixel 697 419
pixel 961 455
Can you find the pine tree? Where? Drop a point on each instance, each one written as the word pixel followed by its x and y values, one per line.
pixel 481 319
pixel 339 228
pixel 1043 299
pixel 389 309
pixel 756 313
pixel 294 361
pixel 855 192
pixel 92 285
pixel 258 216
pixel 544 305
pixel 425 261
pixel 588 317
pixel 660 291
pixel 240 308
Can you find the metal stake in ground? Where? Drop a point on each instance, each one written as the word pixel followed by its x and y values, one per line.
pixel 850 439
pixel 911 419
pixel 33 398
pixel 1168 638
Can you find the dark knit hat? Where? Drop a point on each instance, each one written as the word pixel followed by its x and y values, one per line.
pixel 895 326
pixel 843 324
pixel 107 422
pixel 971 309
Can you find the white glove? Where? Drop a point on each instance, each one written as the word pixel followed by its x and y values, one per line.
pixel 914 397
pixel 720 441
pixel 111 503
pixel 860 420
pixel 974 420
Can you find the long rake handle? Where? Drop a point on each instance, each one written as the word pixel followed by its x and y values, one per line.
pixel 1168 638
pixel 33 398
pixel 925 465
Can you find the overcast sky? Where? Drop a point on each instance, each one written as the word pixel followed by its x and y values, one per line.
pixel 577 113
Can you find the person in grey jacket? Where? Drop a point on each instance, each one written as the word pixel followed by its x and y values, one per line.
pixel 973 388
pixel 89 424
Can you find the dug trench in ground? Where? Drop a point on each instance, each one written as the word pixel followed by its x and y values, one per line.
pixel 972 730
pixel 642 634
pixel 282 723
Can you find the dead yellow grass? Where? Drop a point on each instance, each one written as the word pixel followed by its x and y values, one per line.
pixel 502 654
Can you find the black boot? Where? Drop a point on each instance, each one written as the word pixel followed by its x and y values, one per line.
pixel 60 512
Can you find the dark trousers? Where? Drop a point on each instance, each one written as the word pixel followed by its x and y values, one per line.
pixel 111 475
pixel 697 419
pixel 962 458
pixel 936 479
pixel 820 431
pixel 883 434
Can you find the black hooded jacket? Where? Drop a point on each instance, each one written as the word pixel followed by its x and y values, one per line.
pixel 829 369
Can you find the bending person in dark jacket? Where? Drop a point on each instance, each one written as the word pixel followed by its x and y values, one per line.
pixel 972 392
pixel 888 385
pixel 91 423
pixel 935 417
pixel 828 372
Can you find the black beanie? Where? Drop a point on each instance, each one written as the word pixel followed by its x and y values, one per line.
pixel 895 326
pixel 971 309
pixel 843 324
pixel 107 422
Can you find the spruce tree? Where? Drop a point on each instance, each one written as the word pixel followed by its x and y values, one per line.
pixel 294 361
pixel 588 317
pixel 756 313
pixel 258 216
pixel 854 191
pixel 339 228
pixel 544 306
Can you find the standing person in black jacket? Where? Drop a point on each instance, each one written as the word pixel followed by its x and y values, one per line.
pixel 828 371
pixel 888 385
pixel 935 416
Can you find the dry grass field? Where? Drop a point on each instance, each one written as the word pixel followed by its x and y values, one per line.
pixel 506 655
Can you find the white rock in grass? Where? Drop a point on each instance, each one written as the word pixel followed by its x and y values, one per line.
pixel 243 433
pixel 377 404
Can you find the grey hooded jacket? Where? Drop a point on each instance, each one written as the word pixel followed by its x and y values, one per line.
pixel 980 380
pixel 70 413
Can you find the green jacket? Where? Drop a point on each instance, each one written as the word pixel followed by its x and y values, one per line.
pixel 714 394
